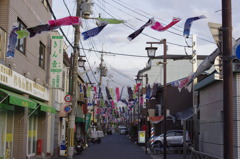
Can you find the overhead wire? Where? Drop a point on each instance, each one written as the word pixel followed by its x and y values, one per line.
pixel 50 8
pixel 141 33
pixel 160 19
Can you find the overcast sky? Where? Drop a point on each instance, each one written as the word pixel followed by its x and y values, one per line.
pixel 113 37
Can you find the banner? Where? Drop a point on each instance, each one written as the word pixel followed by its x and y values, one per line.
pixel 88 118
pixel 56 62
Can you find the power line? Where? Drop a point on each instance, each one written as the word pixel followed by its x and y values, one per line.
pixel 162 20
pixel 50 8
pixel 141 33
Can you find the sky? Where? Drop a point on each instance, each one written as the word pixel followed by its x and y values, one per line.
pixel 122 70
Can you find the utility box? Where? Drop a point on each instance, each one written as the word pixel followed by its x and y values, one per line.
pixel 87 9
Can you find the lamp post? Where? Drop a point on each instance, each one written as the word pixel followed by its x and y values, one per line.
pixel 151 53
pixel 138 81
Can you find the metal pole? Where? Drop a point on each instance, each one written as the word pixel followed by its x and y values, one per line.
pixel 147 127
pixel 74 85
pixel 227 78
pixel 138 109
pixel 164 98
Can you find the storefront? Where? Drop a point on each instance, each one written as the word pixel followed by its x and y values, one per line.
pixel 23 115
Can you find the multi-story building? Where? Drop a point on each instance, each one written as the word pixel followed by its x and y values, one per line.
pixel 211 113
pixel 25 97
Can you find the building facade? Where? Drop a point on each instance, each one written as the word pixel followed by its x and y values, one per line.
pixel 26 105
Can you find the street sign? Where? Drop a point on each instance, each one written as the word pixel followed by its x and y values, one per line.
pixel 67 109
pixel 68 98
pixel 215 30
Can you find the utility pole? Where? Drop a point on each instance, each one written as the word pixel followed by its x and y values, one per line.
pixel 227 78
pixel 194 95
pixel 164 97
pixel 74 85
pixel 99 85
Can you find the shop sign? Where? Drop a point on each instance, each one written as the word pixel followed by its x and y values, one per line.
pixel 17 81
pixel 141 136
pixel 56 62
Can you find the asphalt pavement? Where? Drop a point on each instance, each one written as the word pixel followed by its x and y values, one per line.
pixel 118 147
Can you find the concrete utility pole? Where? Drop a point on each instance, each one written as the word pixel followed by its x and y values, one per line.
pixel 227 78
pixel 194 95
pixel 164 98
pixel 74 85
pixel 99 85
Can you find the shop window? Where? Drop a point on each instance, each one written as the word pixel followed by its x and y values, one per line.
pixel 32 135
pixel 6 133
pixel 21 43
pixel 41 62
pixel 3 44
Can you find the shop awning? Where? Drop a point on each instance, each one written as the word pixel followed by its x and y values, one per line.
pixel 6 106
pixel 46 108
pixel 184 115
pixel 16 99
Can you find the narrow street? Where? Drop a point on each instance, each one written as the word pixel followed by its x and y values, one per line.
pixel 114 147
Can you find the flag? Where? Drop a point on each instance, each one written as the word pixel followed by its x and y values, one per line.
pixel 148 92
pixel 111 21
pixel 124 101
pixel 85 91
pixel 184 83
pixel 80 88
pixel 156 119
pixel 12 42
pixel 154 91
pixel 70 20
pixel 93 32
pixel 22 34
pixel 130 93
pixel 158 26
pixel 40 28
pixel 139 31
pixel 206 64
pixel 99 92
pixel 108 94
pixel 137 87
pixel 117 94
pixel 89 89
pixel 112 93
pixel 188 24
pixel 141 100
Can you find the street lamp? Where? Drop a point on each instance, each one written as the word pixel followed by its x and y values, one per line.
pixel 151 53
pixel 81 61
pixel 138 81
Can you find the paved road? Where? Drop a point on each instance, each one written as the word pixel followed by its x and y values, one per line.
pixel 113 147
pixel 119 147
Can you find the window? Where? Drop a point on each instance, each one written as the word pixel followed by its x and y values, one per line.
pixel 3 44
pixel 41 55
pixel 21 43
pixel 32 134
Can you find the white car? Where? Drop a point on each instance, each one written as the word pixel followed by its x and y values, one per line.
pixel 174 138
pixel 122 130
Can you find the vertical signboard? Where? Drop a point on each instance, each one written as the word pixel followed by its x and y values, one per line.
pixel 56 62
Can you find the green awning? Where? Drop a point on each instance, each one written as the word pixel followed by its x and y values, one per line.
pixel 46 108
pixel 6 106
pixel 16 99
